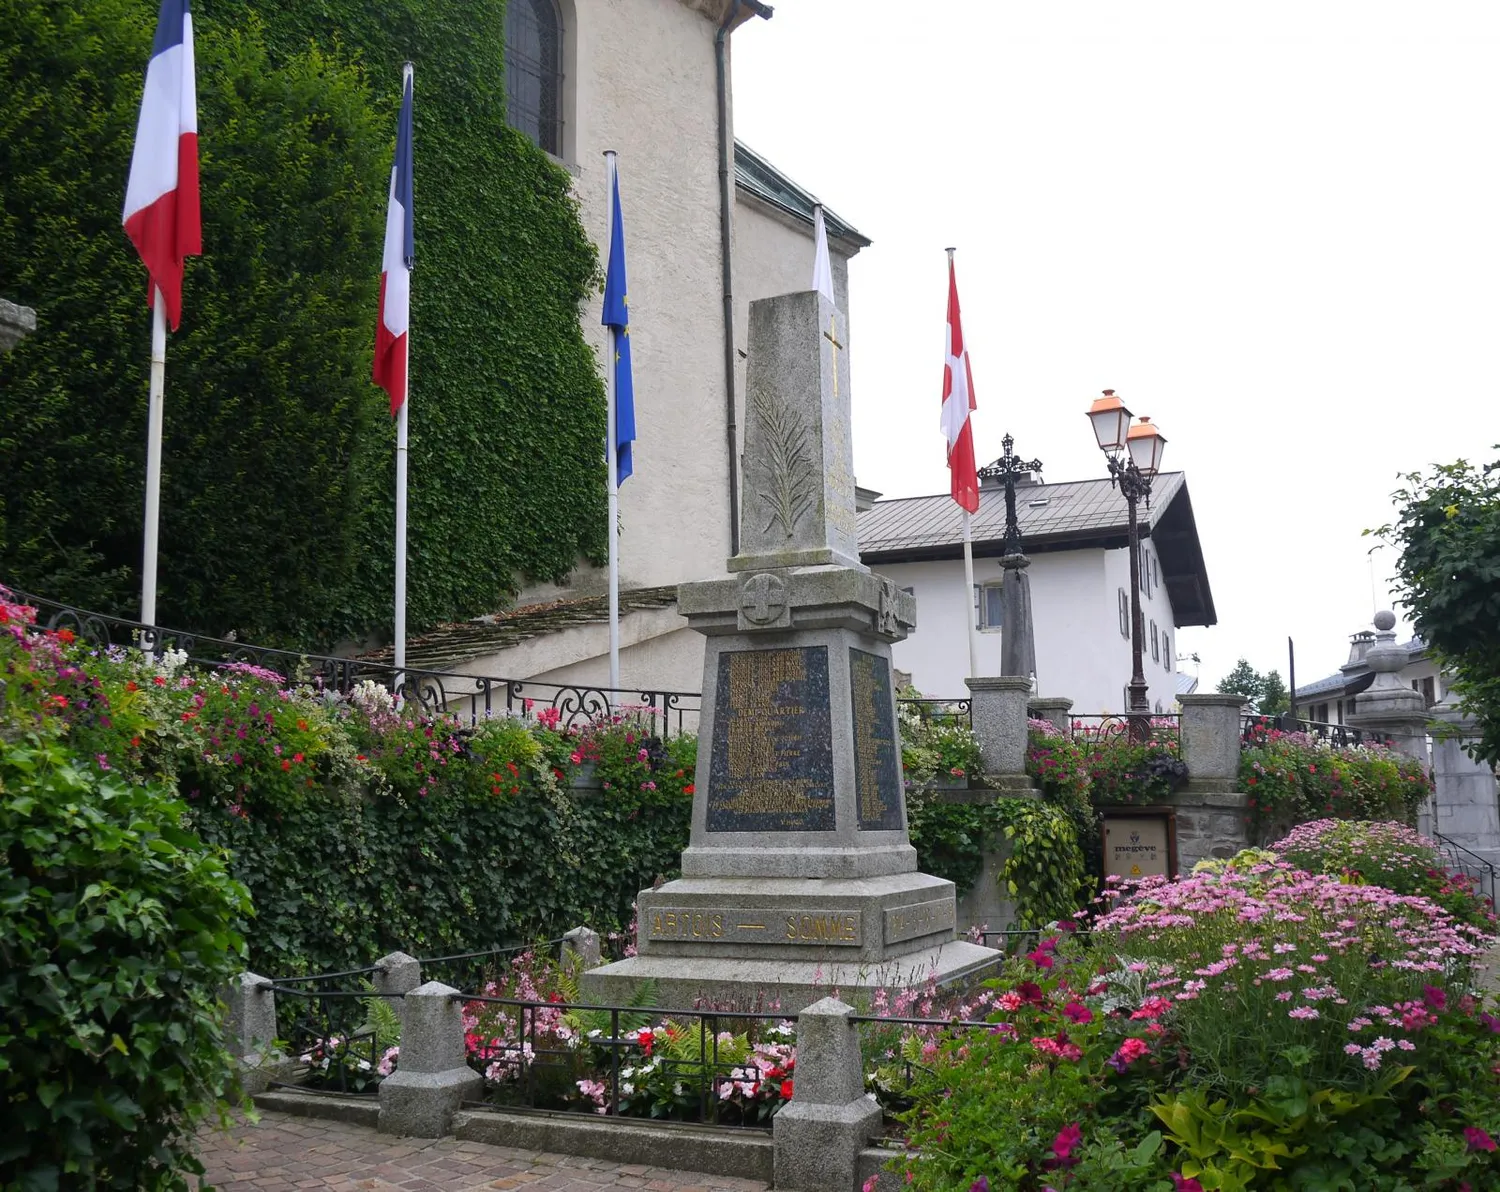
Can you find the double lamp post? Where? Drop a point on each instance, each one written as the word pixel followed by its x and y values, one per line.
pixel 1133 452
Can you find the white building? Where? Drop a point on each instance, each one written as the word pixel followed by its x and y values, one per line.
pixel 1331 700
pixel 710 225
pixel 1075 535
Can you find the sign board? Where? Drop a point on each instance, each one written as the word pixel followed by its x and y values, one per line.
pixel 1139 843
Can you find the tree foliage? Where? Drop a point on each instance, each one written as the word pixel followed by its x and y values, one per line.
pixel 1244 680
pixel 277 499
pixel 1447 535
pixel 1274 697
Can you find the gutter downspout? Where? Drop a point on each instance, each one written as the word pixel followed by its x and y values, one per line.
pixel 726 234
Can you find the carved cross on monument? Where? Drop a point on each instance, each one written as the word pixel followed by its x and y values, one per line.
pixel 829 336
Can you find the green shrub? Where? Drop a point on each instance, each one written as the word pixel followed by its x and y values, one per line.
pixel 117 930
pixel 1292 778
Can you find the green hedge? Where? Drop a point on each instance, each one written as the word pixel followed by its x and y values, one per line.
pixel 117 931
pixel 277 501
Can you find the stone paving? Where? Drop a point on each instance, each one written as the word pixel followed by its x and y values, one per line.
pixel 281 1153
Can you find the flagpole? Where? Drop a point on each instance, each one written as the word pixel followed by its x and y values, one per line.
pixel 611 455
pixel 969 592
pixel 153 462
pixel 407 76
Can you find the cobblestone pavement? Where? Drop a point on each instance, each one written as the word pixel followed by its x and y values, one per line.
pixel 280 1153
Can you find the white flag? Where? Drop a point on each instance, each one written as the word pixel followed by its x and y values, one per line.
pixel 822 268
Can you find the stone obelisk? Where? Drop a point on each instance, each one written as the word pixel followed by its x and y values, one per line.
pixel 799 876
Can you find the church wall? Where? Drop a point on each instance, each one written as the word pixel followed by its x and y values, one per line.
pixel 641 81
pixel 773 254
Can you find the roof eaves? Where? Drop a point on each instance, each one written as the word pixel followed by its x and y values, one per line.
pixel 770 185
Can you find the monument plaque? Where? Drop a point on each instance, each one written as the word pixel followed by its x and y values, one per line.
pixel 877 763
pixel 712 925
pixel 772 762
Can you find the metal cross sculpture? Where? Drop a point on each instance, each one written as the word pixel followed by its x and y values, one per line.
pixel 1007 470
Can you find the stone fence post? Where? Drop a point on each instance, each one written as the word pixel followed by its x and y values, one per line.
pixel 581 949
pixel 397 974
pixel 819 1133
pixel 1211 740
pixel 433 1077
pixel 1390 707
pixel 251 1030
pixel 997 710
pixel 1055 709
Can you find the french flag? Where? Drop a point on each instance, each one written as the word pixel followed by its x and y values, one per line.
pixel 395 275
pixel 162 216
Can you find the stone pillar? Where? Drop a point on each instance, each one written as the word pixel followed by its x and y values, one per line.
pixel 420 1097
pixel 1390 707
pixel 1211 740
pixel 1054 708
pixel 16 323
pixel 821 1131
pixel 997 710
pixel 580 948
pixel 251 1031
pixel 1466 810
pixel 396 975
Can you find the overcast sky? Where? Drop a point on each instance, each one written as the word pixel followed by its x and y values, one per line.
pixel 1272 227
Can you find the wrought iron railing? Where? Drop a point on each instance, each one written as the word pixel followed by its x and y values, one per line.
pixel 1160 726
pixel 469 972
pixel 470 697
pixel 629 1061
pixel 326 1024
pixel 1469 865
pixel 1256 730
pixel 938 711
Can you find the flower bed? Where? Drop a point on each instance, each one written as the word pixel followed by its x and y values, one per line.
pixel 1251 1027
pixel 1293 778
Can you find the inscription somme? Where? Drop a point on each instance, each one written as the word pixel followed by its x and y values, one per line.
pixel 922 918
pixel 829 928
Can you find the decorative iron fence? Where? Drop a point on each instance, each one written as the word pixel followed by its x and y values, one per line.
pixel 471 972
pixel 1160 726
pixel 334 1032
pixel 938 711
pixel 1256 730
pixel 1469 865
pixel 469 697
pixel 720 1067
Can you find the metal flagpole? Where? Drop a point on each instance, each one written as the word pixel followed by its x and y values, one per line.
pixel 153 462
pixel 401 454
pixel 969 590
pixel 611 453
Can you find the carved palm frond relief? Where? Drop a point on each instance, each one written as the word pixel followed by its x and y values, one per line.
pixel 788 472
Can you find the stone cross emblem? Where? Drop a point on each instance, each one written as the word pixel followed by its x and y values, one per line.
pixel 885 621
pixel 763 599
pixel 829 336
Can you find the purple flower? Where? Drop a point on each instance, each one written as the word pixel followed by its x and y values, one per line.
pixel 982 1184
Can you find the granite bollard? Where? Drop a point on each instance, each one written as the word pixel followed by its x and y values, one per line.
pixel 1057 710
pixel 581 948
pixel 997 711
pixel 433 1077
pixel 251 1031
pixel 819 1133
pixel 397 974
pixel 1211 740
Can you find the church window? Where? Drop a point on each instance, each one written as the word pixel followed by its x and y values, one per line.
pixel 533 71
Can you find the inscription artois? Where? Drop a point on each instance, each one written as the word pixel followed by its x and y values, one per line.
pixel 771 766
pixel 831 928
pixel 922 918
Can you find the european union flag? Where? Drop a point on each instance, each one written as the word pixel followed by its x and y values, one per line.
pixel 617 318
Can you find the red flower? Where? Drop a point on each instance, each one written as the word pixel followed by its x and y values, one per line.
pixel 132 686
pixel 159 681
pixel 1078 1012
pixel 66 636
pixel 688 789
pixel 285 765
pixel 786 1095
pixel 296 757
pixel 302 724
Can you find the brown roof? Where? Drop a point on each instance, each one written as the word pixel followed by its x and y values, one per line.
pixel 451 646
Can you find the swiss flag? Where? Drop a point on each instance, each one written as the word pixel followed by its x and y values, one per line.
pixel 958 400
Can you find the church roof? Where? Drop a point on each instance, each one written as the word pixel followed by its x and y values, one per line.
pixel 1075 515
pixel 754 173
pixel 445 647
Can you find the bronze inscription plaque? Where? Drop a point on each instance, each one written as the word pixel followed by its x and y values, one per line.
pixel 771 766
pixel 877 759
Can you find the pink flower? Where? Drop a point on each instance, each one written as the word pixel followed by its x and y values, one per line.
pixel 1078 1012
pixel 1071 1135
pixel 1183 1184
pixel 1478 1139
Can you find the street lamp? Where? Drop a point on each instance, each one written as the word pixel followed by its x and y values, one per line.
pixel 1133 453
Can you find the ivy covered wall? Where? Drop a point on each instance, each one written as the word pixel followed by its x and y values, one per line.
pixel 277 510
